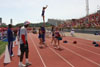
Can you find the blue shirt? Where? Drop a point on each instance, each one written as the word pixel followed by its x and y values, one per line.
pixel 43 30
pixel 9 35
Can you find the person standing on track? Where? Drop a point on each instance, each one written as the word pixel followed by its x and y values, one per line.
pixel 18 34
pixel 43 35
pixel 52 31
pixel 40 38
pixel 72 33
pixel 57 38
pixel 10 40
pixel 43 27
pixel 24 44
pixel 18 37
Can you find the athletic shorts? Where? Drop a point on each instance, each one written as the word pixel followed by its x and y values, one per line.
pixel 52 34
pixel 40 36
pixel 42 13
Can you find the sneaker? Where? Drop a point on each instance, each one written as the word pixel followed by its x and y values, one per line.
pixel 18 55
pixel 22 65
pixel 41 46
pixel 55 47
pixel 60 49
pixel 12 55
pixel 28 64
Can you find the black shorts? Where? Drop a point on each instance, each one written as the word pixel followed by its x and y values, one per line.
pixel 53 34
pixel 24 48
pixel 42 13
pixel 40 36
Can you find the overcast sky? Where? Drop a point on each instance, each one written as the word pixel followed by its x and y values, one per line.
pixel 22 10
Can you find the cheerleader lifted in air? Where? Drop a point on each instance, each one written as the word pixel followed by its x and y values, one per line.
pixel 43 13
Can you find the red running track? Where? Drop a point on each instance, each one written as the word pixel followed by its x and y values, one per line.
pixel 82 54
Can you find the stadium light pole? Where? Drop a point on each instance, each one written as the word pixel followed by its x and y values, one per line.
pixel 87 11
pixel 87 7
pixel 11 21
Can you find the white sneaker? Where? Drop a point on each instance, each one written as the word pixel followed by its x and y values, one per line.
pixel 55 47
pixel 12 55
pixel 28 64
pixel 22 65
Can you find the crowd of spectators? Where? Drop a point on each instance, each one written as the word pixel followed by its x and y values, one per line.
pixel 90 21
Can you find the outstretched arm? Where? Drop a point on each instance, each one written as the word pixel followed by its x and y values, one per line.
pixel 46 6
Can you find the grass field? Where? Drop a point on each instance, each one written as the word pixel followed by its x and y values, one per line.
pixel 2 47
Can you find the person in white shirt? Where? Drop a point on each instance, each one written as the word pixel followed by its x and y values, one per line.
pixel 24 44
pixel 72 33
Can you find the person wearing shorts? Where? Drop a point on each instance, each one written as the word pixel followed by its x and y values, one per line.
pixel 40 38
pixel 52 31
pixel 43 13
pixel 56 38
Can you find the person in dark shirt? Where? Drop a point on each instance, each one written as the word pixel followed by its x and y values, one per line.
pixel 40 38
pixel 10 39
pixel 52 31
pixel 43 33
pixel 57 38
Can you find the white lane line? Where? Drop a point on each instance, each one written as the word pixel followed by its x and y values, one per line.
pixel 38 52
pixel 62 57
pixel 87 50
pixel 81 56
pixel 91 46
